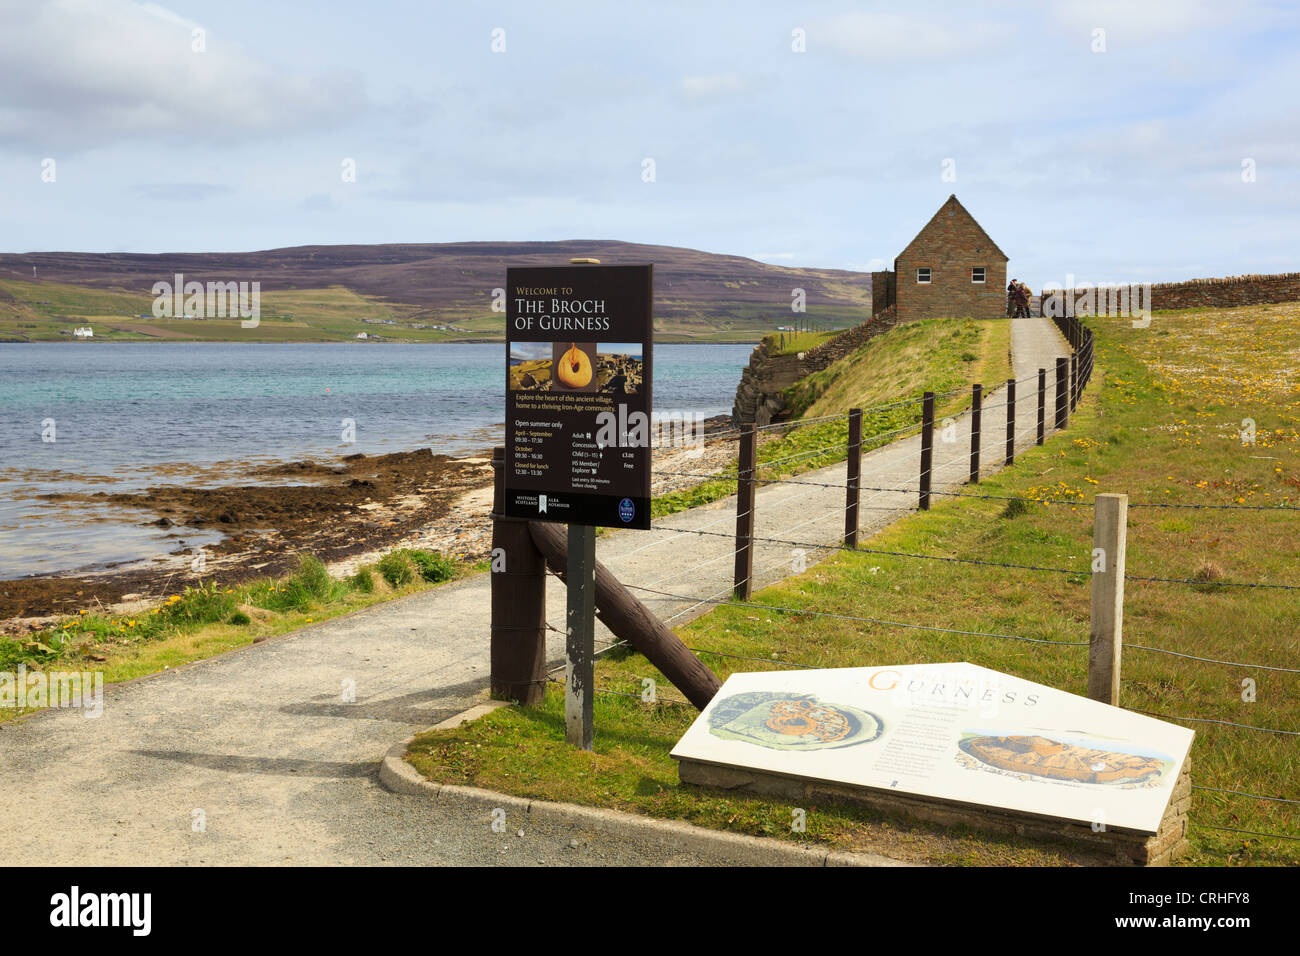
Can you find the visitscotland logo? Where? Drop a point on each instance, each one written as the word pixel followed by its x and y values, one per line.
pixel 103 909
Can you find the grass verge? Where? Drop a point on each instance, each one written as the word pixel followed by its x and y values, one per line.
pixel 210 618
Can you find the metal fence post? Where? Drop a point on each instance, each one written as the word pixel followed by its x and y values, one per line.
pixel 976 401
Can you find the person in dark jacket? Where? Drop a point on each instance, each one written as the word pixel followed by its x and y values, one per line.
pixel 1021 301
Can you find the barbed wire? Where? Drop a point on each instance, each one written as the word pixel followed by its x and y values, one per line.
pixel 1242 793
pixel 1229 723
pixel 1158 504
pixel 1210 660
pixel 849 617
pixel 1276 836
pixel 895 554
pixel 1213 584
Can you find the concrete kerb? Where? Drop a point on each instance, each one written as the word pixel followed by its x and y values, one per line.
pixel 398 776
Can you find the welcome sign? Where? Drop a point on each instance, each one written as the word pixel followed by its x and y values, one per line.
pixel 579 343
pixel 957 732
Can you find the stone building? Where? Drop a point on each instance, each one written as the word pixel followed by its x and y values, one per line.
pixel 951 268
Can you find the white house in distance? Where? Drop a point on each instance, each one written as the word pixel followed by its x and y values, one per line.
pixel 86 333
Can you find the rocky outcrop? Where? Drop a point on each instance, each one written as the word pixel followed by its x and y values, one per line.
pixel 760 395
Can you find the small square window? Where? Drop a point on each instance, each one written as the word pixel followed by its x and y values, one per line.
pixel 977 274
pixel 923 275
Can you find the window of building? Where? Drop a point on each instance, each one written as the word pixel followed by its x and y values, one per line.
pixel 923 275
pixel 977 274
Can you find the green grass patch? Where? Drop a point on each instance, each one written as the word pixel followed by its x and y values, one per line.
pixel 210 618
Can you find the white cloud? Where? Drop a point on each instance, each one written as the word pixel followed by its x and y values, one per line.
pixel 87 72
pixel 896 36
pixel 700 87
pixel 1128 22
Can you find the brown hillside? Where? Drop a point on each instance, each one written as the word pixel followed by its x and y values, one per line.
pixel 688 283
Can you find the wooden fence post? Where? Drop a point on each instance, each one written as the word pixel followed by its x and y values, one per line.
pixel 927 448
pixel 742 585
pixel 1011 421
pixel 1062 400
pixel 976 400
pixel 852 481
pixel 1109 539
pixel 1074 380
pixel 1042 403
pixel 518 599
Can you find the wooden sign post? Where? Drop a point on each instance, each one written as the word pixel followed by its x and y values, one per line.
pixel 580 637
pixel 579 342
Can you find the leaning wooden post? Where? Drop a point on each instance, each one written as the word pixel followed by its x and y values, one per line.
pixel 852 481
pixel 518 599
pixel 1109 537
pixel 976 401
pixel 1011 421
pixel 1042 404
pixel 632 621
pixel 1062 400
pixel 742 585
pixel 927 448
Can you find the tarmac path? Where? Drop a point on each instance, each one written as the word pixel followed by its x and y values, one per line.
pixel 260 742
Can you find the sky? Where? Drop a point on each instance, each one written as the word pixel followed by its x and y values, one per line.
pixel 1108 141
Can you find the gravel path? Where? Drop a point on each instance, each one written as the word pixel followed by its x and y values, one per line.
pixel 284 771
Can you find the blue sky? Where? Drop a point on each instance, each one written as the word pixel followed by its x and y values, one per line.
pixel 1117 165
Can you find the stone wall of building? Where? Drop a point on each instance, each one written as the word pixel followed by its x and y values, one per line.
pixel 884 290
pixel 950 246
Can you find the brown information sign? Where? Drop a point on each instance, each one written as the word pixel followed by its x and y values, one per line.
pixel 579 343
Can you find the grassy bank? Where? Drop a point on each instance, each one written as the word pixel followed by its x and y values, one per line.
pixel 939 355
pixel 208 619
pixel 1162 422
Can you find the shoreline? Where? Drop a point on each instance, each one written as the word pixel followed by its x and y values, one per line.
pixel 346 511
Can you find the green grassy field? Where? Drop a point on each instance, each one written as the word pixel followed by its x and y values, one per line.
pixel 1161 422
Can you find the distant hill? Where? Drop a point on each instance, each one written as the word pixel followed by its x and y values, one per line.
pixel 326 293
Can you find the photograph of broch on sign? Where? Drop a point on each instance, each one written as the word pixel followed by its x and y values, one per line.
pixel 650 435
